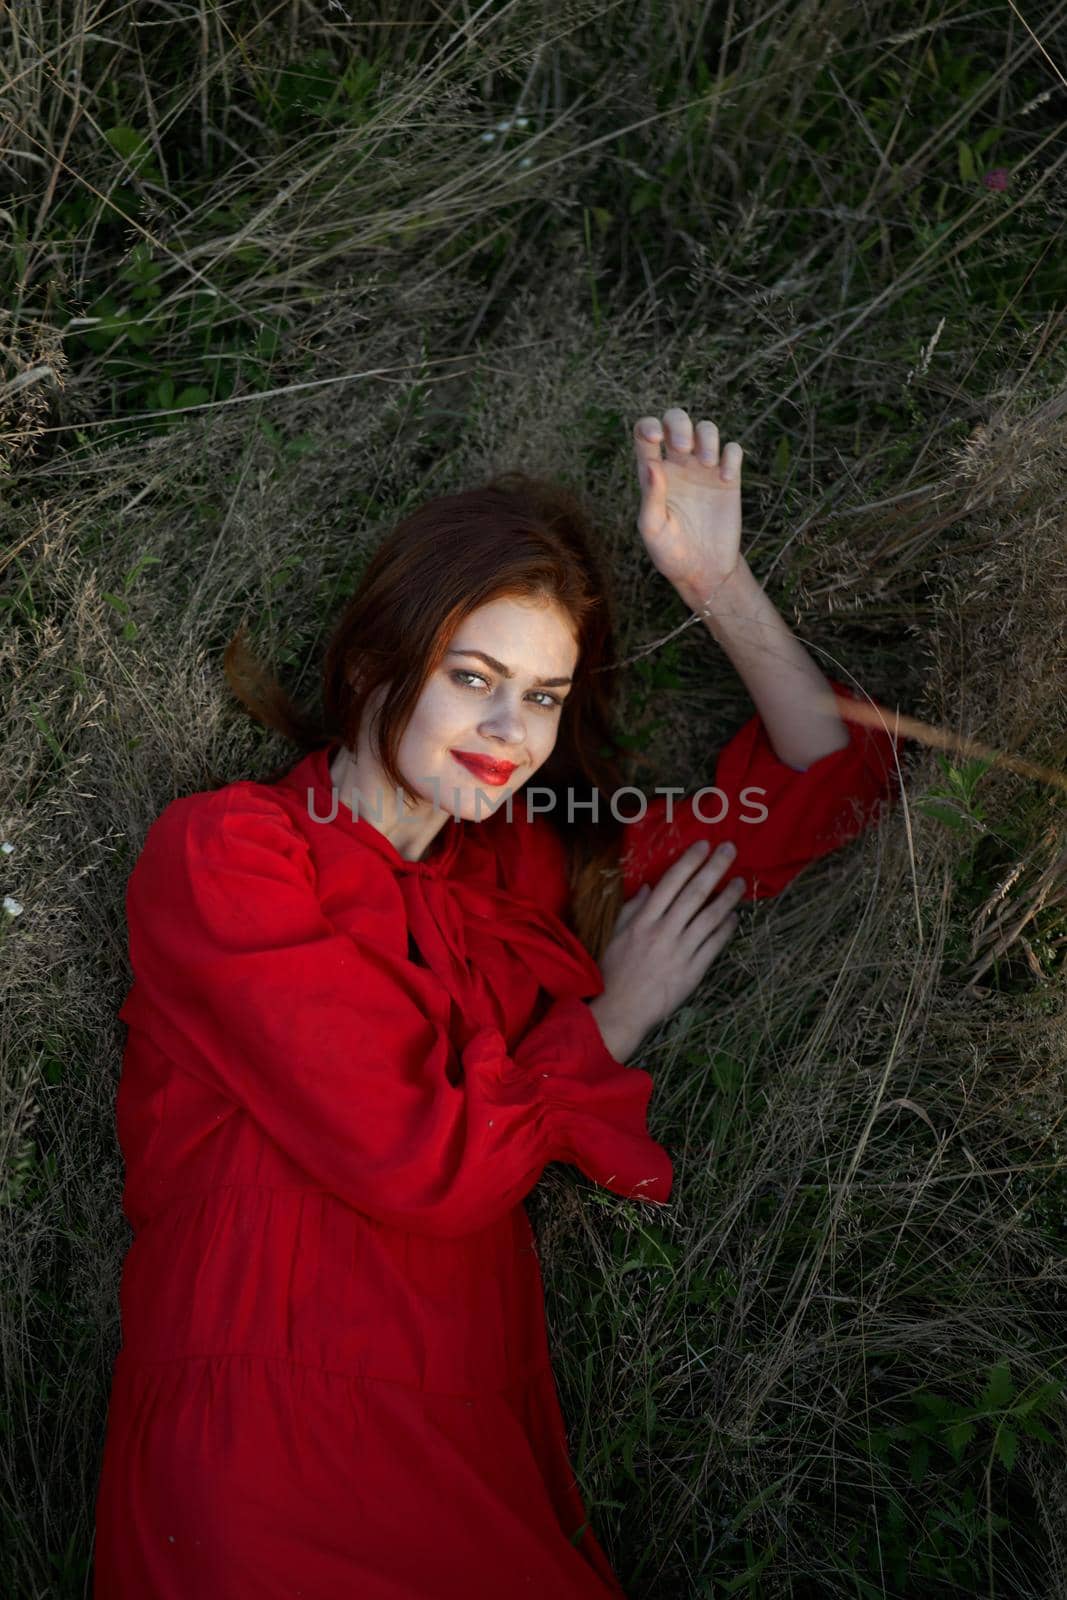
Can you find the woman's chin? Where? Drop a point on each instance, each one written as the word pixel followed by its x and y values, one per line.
pixel 476 799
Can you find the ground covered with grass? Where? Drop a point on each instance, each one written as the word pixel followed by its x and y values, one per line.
pixel 273 273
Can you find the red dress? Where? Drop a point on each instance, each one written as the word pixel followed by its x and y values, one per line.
pixel 334 1379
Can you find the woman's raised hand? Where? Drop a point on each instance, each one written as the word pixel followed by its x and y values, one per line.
pixel 690 511
pixel 664 941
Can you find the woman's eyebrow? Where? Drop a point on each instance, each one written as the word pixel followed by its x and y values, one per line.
pixel 506 672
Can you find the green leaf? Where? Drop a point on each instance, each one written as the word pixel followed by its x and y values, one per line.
pixel 959 1437
pixel 935 1403
pixel 132 146
pixel 50 738
pixel 304 444
pixel 644 195
pixel 138 566
pixel 267 340
pixel 252 255
pixel 1037 1402
pixel 966 160
pixel 142 272
pixel 1036 1430
pixel 878 1442
pixel 1007 1443
pixel 999 1389
pixel 942 811
pixel 628 1457
pixel 984 140
pixel 727 1072
pixel 972 770
pixel 126 141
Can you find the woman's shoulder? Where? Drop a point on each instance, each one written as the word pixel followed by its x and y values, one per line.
pixel 244 798
pixel 209 823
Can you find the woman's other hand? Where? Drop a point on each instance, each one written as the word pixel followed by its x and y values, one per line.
pixel 664 941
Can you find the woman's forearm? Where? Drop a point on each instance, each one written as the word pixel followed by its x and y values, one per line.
pixel 795 702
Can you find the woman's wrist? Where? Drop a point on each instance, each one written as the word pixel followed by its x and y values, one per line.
pixel 620 1040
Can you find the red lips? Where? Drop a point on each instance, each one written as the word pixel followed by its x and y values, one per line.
pixel 482 767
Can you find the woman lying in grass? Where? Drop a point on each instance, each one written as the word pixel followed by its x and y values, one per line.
pixel 374 995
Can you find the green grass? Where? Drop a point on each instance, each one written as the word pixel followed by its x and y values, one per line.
pixel 272 276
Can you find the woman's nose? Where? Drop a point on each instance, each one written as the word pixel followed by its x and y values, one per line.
pixel 504 724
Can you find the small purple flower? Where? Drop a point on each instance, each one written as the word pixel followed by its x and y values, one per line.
pixel 997 179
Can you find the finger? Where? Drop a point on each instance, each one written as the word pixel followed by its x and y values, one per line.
pixel 677 874
pixel 655 486
pixel 707 445
pixel 652 512
pixel 715 912
pixel 730 464
pixel 648 436
pixel 678 434
pixel 631 907
pixel 705 953
pixel 694 896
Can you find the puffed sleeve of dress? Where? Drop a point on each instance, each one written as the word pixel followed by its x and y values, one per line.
pixel 320 1036
pixel 779 817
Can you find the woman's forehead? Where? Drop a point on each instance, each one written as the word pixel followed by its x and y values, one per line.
pixel 527 626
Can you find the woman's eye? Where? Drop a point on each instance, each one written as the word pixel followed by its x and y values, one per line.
pixel 554 702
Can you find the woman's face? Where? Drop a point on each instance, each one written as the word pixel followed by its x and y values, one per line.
pixel 507 713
